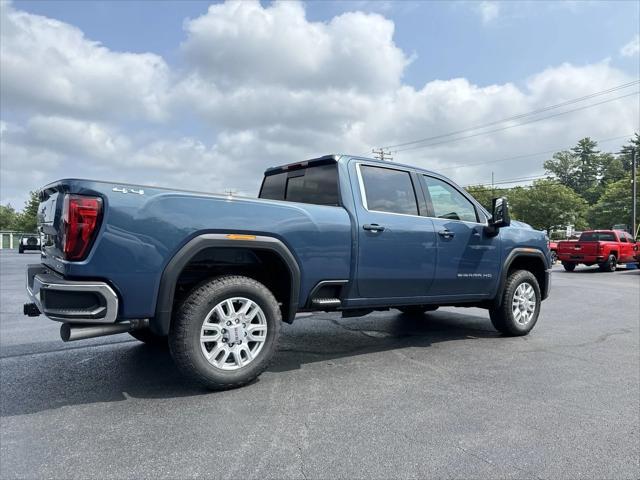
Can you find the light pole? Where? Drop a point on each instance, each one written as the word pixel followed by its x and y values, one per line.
pixel 634 190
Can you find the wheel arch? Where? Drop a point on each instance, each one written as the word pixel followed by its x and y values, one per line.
pixel 257 246
pixel 530 259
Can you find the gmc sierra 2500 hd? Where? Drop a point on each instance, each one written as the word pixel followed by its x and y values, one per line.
pixel 216 275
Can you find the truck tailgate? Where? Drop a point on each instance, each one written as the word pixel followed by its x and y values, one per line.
pixel 578 249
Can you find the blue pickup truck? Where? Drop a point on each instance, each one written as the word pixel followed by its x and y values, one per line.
pixel 214 276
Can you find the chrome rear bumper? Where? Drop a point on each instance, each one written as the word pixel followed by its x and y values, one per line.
pixel 71 301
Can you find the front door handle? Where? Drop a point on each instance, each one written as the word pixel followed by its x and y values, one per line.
pixel 446 233
pixel 373 227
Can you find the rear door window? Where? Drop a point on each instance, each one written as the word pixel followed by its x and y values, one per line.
pixel 317 184
pixel 388 190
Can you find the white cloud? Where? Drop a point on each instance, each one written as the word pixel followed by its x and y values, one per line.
pixel 262 86
pixel 632 48
pixel 254 45
pixel 49 66
pixel 488 11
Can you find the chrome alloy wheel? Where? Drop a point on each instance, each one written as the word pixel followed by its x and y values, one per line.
pixel 523 305
pixel 233 333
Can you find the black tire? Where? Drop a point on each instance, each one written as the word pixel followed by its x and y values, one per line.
pixel 146 336
pixel 416 310
pixel 610 265
pixel 568 266
pixel 20 249
pixel 554 257
pixel 184 335
pixel 503 318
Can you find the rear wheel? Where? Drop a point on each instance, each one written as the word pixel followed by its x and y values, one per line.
pixel 568 266
pixel 20 249
pixel 554 257
pixel 610 265
pixel 225 332
pixel 415 310
pixel 520 307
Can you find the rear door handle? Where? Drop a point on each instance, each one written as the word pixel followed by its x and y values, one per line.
pixel 446 233
pixel 373 227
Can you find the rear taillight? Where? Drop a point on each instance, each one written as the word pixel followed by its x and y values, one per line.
pixel 81 219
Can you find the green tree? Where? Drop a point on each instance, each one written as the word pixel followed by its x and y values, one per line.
pixel 589 160
pixel 483 194
pixel 614 206
pixel 8 217
pixel 548 205
pixel 27 220
pixel 584 169
pixel 626 153
pixel 564 166
pixel 612 169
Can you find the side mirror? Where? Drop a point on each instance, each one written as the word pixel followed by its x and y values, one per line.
pixel 499 215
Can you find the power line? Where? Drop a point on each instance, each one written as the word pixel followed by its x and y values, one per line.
pixel 604 140
pixel 518 124
pixel 519 116
pixel 512 180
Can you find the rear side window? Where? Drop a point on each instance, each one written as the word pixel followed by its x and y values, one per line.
pixel 316 184
pixel 448 202
pixel 388 190
pixel 597 237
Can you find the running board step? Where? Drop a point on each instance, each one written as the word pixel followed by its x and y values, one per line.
pixel 326 302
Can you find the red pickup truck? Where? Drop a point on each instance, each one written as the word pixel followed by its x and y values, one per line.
pixel 606 248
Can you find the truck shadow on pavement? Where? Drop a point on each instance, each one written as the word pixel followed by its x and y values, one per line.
pixel 127 370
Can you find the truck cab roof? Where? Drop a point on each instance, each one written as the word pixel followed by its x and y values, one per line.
pixel 341 158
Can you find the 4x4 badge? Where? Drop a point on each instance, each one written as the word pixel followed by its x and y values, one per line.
pixel 128 190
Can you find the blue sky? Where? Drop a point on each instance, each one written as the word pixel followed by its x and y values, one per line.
pixel 446 37
pixel 205 96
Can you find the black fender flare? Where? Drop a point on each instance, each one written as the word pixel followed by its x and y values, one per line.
pixel 519 252
pixel 164 304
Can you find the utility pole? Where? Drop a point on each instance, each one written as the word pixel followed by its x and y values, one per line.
pixel 634 190
pixel 381 154
pixel 493 190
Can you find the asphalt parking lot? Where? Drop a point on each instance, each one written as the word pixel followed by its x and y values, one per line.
pixel 382 396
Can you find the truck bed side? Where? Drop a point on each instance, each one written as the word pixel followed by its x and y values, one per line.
pixel 141 232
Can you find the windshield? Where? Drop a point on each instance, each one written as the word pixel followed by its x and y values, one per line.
pixel 597 237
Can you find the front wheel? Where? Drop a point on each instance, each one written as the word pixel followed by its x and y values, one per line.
pixel 520 307
pixel 20 249
pixel 554 257
pixel 568 266
pixel 610 265
pixel 225 332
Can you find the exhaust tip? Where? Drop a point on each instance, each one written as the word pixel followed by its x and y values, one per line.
pixel 65 332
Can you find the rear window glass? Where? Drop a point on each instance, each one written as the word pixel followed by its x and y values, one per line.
pixel 598 237
pixel 316 184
